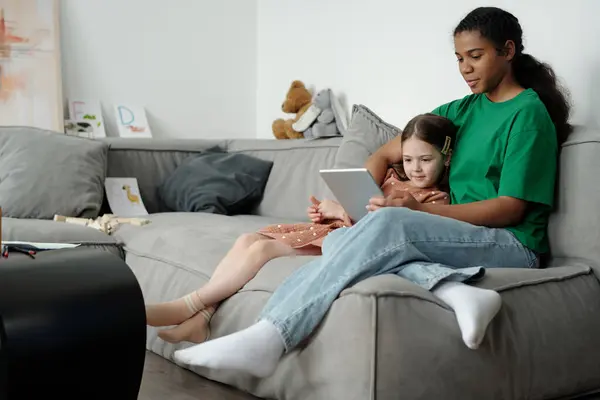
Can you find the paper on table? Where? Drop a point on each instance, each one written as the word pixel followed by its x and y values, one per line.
pixel 41 245
pixel 124 197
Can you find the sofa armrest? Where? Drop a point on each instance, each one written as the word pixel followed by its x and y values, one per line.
pixel 573 228
pixel 391 285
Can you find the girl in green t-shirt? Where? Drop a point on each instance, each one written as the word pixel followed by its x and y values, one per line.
pixel 502 179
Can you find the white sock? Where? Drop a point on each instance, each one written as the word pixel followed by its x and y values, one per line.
pixel 474 308
pixel 255 350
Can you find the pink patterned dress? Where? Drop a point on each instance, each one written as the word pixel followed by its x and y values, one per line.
pixel 311 234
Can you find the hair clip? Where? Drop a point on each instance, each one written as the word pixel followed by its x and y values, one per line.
pixel 446 145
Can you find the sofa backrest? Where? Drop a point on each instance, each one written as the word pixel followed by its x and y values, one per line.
pixel 293 178
pixel 574 227
pixel 295 173
pixel 151 161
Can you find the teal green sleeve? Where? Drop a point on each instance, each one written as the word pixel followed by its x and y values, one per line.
pixel 529 169
pixel 447 110
pixel 452 110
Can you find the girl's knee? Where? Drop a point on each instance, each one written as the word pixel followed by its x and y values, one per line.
pixel 260 246
pixel 267 249
pixel 247 239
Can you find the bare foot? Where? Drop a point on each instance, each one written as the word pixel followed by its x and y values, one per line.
pixel 173 312
pixel 194 330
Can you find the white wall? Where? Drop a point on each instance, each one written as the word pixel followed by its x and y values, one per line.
pixel 397 57
pixel 190 63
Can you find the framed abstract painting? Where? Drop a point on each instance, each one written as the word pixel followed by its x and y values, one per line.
pixel 30 70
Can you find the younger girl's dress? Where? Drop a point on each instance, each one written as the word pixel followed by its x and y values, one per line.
pixel 312 234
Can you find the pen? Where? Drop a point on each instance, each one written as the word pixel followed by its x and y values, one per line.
pixel 30 253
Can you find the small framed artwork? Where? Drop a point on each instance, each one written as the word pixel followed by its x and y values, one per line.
pixel 87 111
pixel 132 121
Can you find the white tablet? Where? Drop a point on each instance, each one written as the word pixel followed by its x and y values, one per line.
pixel 352 188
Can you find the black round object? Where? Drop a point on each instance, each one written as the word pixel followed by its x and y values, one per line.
pixel 72 326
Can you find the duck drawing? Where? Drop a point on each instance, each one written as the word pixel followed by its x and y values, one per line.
pixel 130 196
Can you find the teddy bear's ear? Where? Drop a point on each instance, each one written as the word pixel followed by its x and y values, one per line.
pixel 297 84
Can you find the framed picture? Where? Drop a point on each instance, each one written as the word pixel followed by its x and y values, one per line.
pixel 86 111
pixel 132 121
pixel 30 70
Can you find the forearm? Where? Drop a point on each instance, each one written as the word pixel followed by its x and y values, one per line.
pixel 388 154
pixel 378 167
pixel 495 213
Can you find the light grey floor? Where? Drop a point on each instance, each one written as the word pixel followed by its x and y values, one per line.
pixel 164 380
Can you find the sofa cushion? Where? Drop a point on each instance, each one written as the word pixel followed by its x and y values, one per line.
pixel 194 242
pixel 366 133
pixel 43 173
pixel 47 231
pixel 216 182
pixel 390 324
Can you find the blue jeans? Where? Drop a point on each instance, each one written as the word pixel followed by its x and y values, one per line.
pixel 423 248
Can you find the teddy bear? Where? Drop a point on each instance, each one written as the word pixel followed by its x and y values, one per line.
pixel 298 100
pixel 325 124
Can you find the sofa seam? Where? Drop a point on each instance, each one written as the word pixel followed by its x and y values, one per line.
pixel 227 149
pixel 540 281
pixel 168 262
pixel 288 149
pixel 160 150
pixel 580 141
pixel 396 293
pixel 399 294
pixel 375 345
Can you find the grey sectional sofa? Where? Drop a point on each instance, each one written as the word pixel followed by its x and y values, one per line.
pixel 384 338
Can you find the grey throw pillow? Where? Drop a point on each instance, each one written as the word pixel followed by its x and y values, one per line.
pixel 216 182
pixel 366 133
pixel 43 173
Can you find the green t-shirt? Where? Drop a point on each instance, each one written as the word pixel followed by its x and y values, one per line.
pixel 505 149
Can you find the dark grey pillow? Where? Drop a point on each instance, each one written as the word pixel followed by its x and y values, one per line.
pixel 216 182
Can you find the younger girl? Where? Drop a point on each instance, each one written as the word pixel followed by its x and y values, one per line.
pixel 426 150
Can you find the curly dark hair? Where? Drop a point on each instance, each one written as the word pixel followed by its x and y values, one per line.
pixel 499 26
